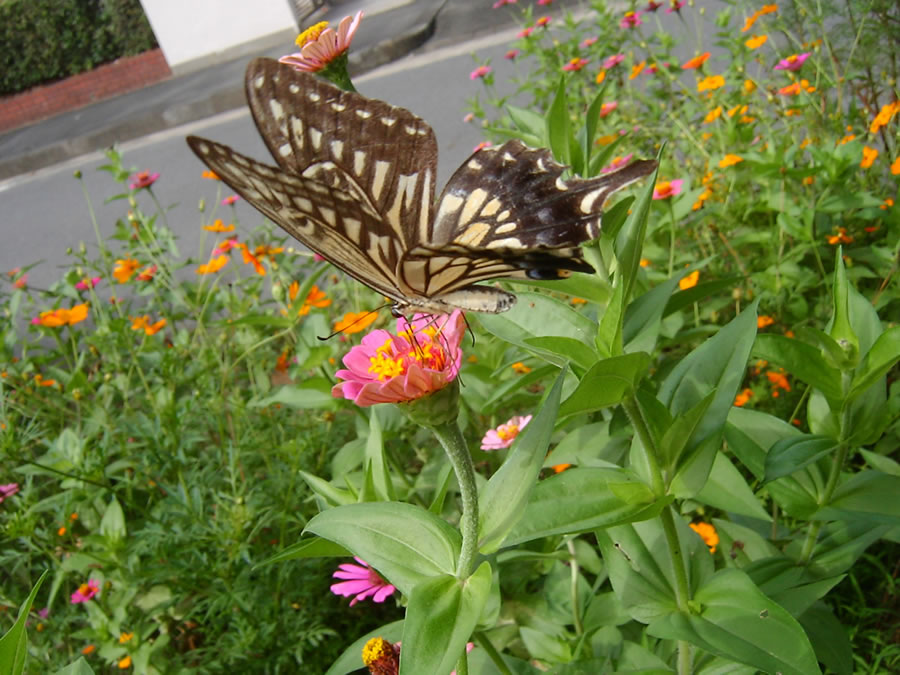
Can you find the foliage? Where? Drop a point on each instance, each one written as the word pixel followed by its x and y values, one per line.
pixel 47 40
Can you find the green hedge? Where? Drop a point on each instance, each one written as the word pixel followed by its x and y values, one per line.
pixel 46 40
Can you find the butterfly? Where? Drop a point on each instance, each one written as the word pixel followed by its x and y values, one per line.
pixel 355 183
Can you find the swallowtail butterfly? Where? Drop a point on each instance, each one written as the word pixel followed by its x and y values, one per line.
pixel 355 183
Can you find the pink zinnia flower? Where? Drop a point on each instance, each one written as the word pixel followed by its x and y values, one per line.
pixel 480 71
pixel 362 582
pixel 505 434
pixel 421 359
pixel 525 32
pixel 319 45
pixel 87 283
pixel 500 3
pixel 652 6
pixel 631 20
pixel 469 117
pixel 542 22
pixel 8 490
pixel 545 2
pixel 575 64
pixel 607 108
pixel 44 613
pixel 617 163
pixel 587 42
pixel 512 54
pixel 667 189
pixel 85 592
pixel 613 60
pixel 229 201
pixel 142 180
pixel 225 247
pixel 793 62
pixel 676 6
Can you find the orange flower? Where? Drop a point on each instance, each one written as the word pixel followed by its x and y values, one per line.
pixel 869 155
pixel 884 116
pixel 213 266
pixel 645 262
pixel 636 69
pixel 559 468
pixel 749 86
pixel 895 167
pixel 606 140
pixel 689 281
pixel 63 317
pixel 600 77
pixel 355 322
pixel 125 663
pixel 695 62
pixel 264 250
pixel 779 381
pixel 737 109
pixel 219 226
pixel 701 198
pixel 768 9
pixel 840 238
pixel 790 90
pixel 143 323
pixel 315 298
pixel 713 115
pixel 804 143
pixel 61 531
pixel 281 365
pixel 520 368
pixel 708 533
pixel 251 258
pixel 756 41
pixel 888 203
pixel 124 269
pixel 809 180
pixel 711 83
pixel 846 139
pixel 147 273
pixel 730 160
pixel 125 637
pixel 741 399
pixel 763 321
pixel 209 174
pixel 87 650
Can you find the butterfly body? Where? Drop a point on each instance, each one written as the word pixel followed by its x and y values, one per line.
pixel 355 183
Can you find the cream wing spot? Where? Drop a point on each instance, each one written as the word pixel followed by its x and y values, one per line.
pixel 314 97
pixel 475 165
pixel 388 121
pixel 259 82
pixel 328 215
pixel 491 207
pixel 561 185
pixel 503 216
pixel 509 242
pixel 449 204
pixel 381 169
pixel 277 109
pixel 506 227
pixel 315 136
pixel 338 107
pixel 352 227
pixel 359 161
pixel 473 234
pixel 285 150
pixel 474 201
pixel 294 89
pixel 337 149
pixel 363 114
pixel 587 202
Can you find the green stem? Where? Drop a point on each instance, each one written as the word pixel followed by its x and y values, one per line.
pixel 454 444
pixel 488 646
pixel 833 476
pixel 573 588
pixel 671 237
pixel 650 451
pixel 462 666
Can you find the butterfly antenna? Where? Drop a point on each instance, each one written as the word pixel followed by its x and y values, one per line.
pixel 338 332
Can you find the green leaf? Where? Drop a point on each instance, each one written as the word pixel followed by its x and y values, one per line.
pixel 705 289
pixel 727 489
pixel 331 495
pixel 739 622
pixel 558 124
pixel 829 638
pixel 580 500
pixel 546 647
pixel 606 383
pixel 676 437
pixel 502 500
pixel 880 358
pixel 351 658
pixel 841 325
pixel 609 334
pixel 384 487
pixel 443 612
pixel 308 548
pixel 79 667
pixel 406 544
pixel 870 496
pixel 571 349
pixel 800 360
pixel 644 317
pixel 528 121
pixel 630 239
pixel 313 393
pixel 792 454
pixel 14 645
pixel 112 525
pixel 589 130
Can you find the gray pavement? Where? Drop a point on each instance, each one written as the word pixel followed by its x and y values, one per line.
pixel 392 29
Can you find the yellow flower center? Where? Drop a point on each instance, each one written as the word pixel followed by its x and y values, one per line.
pixel 507 431
pixel 84 589
pixel 311 34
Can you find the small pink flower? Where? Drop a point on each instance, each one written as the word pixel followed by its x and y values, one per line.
pixel 525 32
pixel 44 613
pixel 317 257
pixel 575 65
pixel 607 108
pixel 617 163
pixel 613 60
pixel 667 189
pixel 85 592
pixel 87 283
pixel 544 3
pixel 676 6
pixel 543 22
pixel 36 321
pixel 317 51
pixel 229 201
pixel 21 282
pixel 362 582
pixel 505 434
pixel 480 71
pixel 481 146
pixel 421 359
pixel 469 117
pixel 9 489
pixel 652 6
pixel 793 62
pixel 500 3
pixel 587 42
pixel 512 54
pixel 225 247
pixel 631 20
pixel 142 180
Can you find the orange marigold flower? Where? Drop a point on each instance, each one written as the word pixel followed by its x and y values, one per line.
pixel 804 143
pixel 63 317
pixel 711 83
pixel 895 167
pixel 846 139
pixel 143 323
pixel 88 649
pixel 869 155
pixel 708 533
pixel 840 238
pixel 61 531
pixel 250 258
pixel 559 468
pixel 695 62
pixel 636 69
pixel 888 203
pixel 125 663
pixel 645 262
pixel 315 298
pixel 790 90
pixel 606 140
pixel 756 41
pixel 147 273
pixel 809 180
pixel 600 77
pixel 737 109
pixel 742 398
pixel 884 116
pixel 219 226
pixel 354 322
pixel 749 86
pixel 125 637
pixel 701 198
pixel 520 368
pixel 124 269
pixel 749 21
pixel 689 281
pixel 768 9
pixel 209 174
pixel 730 160
pixel 713 115
pixel 779 381
pixel 266 251
pixel 213 266
pixel 763 320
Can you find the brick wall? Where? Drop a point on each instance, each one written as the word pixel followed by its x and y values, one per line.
pixel 125 74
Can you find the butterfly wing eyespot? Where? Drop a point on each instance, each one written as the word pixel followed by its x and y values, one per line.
pixel 354 182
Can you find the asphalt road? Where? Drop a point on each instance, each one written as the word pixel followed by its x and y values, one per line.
pixel 45 213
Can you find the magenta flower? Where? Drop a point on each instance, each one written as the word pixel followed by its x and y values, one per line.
pixel 320 46
pixel 229 201
pixel 676 6
pixel 362 582
pixel 481 146
pixel 607 108
pixel 652 6
pixel 500 3
pixel 86 283
pixel 525 32
pixel 544 2
pixel 44 613
pixel 575 64
pixel 9 489
pixel 667 189
pixel 612 61
pixel 85 592
pixel 142 180
pixel 587 42
pixel 421 359
pixel 631 20
pixel 617 163
pixel 480 71
pixel 505 434
pixel 512 54
pixel 793 62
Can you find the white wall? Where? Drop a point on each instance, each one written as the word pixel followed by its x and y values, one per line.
pixel 191 33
